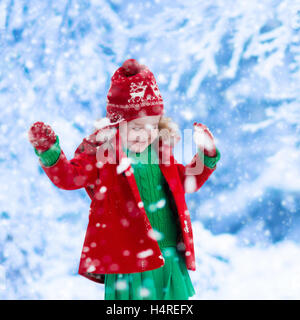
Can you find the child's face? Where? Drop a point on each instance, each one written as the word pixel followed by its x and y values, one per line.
pixel 137 134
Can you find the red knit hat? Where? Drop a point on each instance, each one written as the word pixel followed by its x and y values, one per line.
pixel 133 93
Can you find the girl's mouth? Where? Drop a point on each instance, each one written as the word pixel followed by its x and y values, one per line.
pixel 139 142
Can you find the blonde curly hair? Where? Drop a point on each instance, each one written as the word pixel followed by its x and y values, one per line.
pixel 168 130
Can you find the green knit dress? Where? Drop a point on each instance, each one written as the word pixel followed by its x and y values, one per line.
pixel 171 281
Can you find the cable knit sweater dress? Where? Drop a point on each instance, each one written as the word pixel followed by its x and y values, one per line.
pixel 172 280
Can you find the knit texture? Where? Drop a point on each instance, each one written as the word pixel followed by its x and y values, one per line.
pixel 50 156
pixel 210 161
pixel 152 187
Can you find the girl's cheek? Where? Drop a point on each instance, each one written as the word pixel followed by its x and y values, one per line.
pixel 131 136
pixel 154 135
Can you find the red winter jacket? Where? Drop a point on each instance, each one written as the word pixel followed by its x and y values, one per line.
pixel 118 237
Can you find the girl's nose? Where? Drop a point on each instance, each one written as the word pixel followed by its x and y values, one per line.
pixel 143 136
pixel 139 139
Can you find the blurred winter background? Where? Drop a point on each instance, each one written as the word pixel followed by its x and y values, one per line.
pixel 232 65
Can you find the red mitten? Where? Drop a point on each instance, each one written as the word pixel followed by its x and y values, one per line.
pixel 41 136
pixel 204 139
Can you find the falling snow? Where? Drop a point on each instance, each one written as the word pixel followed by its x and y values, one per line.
pixel 145 253
pixel 236 70
pixel 124 165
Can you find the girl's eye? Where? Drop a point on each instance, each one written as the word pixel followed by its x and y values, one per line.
pixel 152 127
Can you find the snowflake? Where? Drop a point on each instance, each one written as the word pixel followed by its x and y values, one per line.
pixel 125 163
pixel 145 253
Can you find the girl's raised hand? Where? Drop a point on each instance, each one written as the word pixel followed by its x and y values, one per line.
pixel 204 139
pixel 41 136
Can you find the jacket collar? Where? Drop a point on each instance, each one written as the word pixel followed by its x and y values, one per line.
pixel 165 161
pixel 163 151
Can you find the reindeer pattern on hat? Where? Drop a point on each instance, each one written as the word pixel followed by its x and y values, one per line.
pixel 139 90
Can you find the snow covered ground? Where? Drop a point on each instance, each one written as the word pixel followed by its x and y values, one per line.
pixel 224 270
pixel 227 270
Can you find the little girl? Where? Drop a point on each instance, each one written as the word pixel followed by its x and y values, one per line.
pixel 139 240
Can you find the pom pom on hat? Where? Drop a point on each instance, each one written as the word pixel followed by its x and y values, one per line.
pixel 131 67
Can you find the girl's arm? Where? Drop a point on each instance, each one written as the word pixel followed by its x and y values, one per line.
pixel 206 166
pixel 67 174
pixel 194 175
